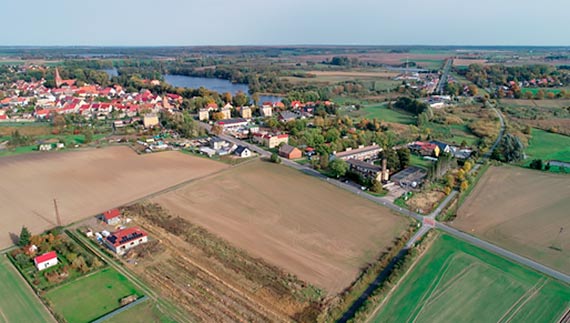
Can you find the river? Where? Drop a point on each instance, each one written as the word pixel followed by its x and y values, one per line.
pixel 214 84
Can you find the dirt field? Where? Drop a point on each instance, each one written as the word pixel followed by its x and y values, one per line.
pixel 316 231
pixel 85 183
pixel 467 62
pixel 524 211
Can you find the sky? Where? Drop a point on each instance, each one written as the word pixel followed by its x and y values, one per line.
pixel 284 22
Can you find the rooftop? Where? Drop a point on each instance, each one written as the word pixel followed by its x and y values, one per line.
pixel 124 236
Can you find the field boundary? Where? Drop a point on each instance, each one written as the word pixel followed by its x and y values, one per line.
pixel 415 261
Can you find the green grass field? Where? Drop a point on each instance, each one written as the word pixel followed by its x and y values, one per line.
pixel 416 160
pixel 145 312
pixel 458 282
pixel 92 296
pixel 382 113
pixel 548 146
pixel 534 90
pixel 17 301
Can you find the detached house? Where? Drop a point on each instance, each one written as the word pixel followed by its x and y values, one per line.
pixel 46 260
pixel 112 217
pixel 123 240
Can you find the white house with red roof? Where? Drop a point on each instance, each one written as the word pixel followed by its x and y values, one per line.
pixel 48 259
pixel 112 217
pixel 123 240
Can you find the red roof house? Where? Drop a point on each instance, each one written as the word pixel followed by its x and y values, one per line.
pixel 123 240
pixel 46 260
pixel 112 216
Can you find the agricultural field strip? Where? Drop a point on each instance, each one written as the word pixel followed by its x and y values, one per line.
pixel 26 288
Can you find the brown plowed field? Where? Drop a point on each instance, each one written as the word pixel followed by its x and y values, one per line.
pixel 85 183
pixel 522 210
pixel 320 233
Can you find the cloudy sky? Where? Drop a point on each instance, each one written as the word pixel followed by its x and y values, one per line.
pixel 284 22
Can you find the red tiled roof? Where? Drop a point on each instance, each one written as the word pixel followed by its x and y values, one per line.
pixel 113 213
pixel 124 236
pixel 45 257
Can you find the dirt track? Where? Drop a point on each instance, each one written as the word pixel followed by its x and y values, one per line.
pixel 85 183
pixel 322 234
pixel 522 210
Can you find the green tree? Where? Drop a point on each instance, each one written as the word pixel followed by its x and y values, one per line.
pixel 24 238
pixel 88 134
pixel 338 167
pixel 536 164
pixel 511 149
pixel 275 158
pixel 240 99
pixel 403 157
pixel 22 260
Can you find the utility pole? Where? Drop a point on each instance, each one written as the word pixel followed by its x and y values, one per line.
pixel 58 218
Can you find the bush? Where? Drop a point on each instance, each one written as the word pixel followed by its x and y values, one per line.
pixel 536 164
pixel 275 158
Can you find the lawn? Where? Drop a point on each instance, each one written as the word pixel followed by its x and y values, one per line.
pixel 92 296
pixel 453 134
pixel 548 146
pixel 534 90
pixel 416 160
pixel 17 300
pixel 382 113
pixel 458 282
pixel 145 312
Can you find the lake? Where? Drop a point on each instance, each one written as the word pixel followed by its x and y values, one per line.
pixel 214 84
pixel 111 72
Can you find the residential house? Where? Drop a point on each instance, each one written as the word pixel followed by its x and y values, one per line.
pixel 266 111
pixel 242 152
pixel 232 124
pixel 123 240
pixel 150 120
pixel 367 170
pixel 112 217
pixel 203 114
pixel 48 259
pixel 290 152
pixel 286 116
pixel 245 112
pixel 227 113
pixel 443 147
pixel 361 153
pixel 424 148
pixel 271 140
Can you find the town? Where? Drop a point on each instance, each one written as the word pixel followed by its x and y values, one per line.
pixel 284 184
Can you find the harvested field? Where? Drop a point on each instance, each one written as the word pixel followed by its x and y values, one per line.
pixel 521 210
pixel 85 183
pixel 455 281
pixel 467 62
pixel 212 280
pixel 316 231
